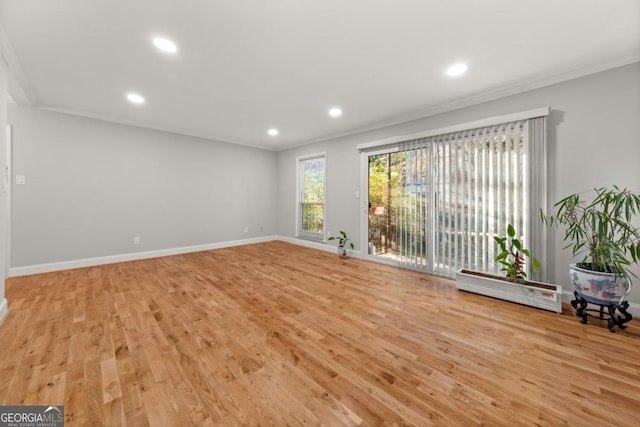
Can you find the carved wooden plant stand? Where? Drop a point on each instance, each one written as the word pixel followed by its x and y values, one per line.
pixel 613 320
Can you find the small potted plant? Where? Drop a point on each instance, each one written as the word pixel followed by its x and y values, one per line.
pixel 512 256
pixel 598 227
pixel 342 239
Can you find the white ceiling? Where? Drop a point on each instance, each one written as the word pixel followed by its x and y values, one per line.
pixel 245 66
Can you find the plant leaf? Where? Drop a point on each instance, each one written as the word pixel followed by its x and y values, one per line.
pixel 517 244
pixel 536 265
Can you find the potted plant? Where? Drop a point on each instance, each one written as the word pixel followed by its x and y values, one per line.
pixel 598 228
pixel 514 286
pixel 512 256
pixel 342 239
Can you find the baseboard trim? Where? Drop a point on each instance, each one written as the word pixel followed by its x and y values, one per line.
pixel 4 308
pixel 91 262
pixel 634 308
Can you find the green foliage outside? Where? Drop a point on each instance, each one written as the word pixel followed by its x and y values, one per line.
pixel 384 180
pixel 313 177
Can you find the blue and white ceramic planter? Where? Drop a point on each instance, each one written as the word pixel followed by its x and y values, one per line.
pixel 599 288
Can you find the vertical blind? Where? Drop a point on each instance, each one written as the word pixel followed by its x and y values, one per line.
pixel 460 189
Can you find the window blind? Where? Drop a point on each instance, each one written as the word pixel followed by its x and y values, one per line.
pixel 459 189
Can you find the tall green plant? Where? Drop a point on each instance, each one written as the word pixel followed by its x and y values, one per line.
pixel 598 227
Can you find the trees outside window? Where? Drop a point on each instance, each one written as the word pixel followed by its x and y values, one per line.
pixel 311 196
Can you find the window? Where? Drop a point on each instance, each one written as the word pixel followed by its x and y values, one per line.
pixel 436 200
pixel 311 196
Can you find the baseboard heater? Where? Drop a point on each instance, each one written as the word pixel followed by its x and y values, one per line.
pixel 534 294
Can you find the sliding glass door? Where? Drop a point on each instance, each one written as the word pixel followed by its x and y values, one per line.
pixel 436 203
pixel 384 186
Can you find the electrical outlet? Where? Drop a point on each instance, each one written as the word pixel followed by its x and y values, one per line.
pixel 136 240
pixel 246 229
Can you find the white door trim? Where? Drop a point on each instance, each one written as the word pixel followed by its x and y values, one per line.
pixel 6 187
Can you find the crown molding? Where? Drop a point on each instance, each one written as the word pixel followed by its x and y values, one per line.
pixel 167 129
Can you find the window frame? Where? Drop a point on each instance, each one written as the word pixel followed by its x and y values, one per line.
pixel 300 203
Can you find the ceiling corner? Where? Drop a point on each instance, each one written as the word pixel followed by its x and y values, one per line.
pixel 18 85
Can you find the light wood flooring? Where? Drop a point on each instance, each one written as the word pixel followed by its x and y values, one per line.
pixel 278 334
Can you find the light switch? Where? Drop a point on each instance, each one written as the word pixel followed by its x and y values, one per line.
pixel 20 180
pixel 357 194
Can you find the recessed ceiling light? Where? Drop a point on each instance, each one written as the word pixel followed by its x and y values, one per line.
pixel 457 69
pixel 135 98
pixel 335 112
pixel 273 131
pixel 165 45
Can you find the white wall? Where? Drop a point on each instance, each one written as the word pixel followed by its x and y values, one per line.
pixel 4 202
pixel 91 186
pixel 593 140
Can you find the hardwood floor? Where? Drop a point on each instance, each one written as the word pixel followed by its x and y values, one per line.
pixel 277 334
